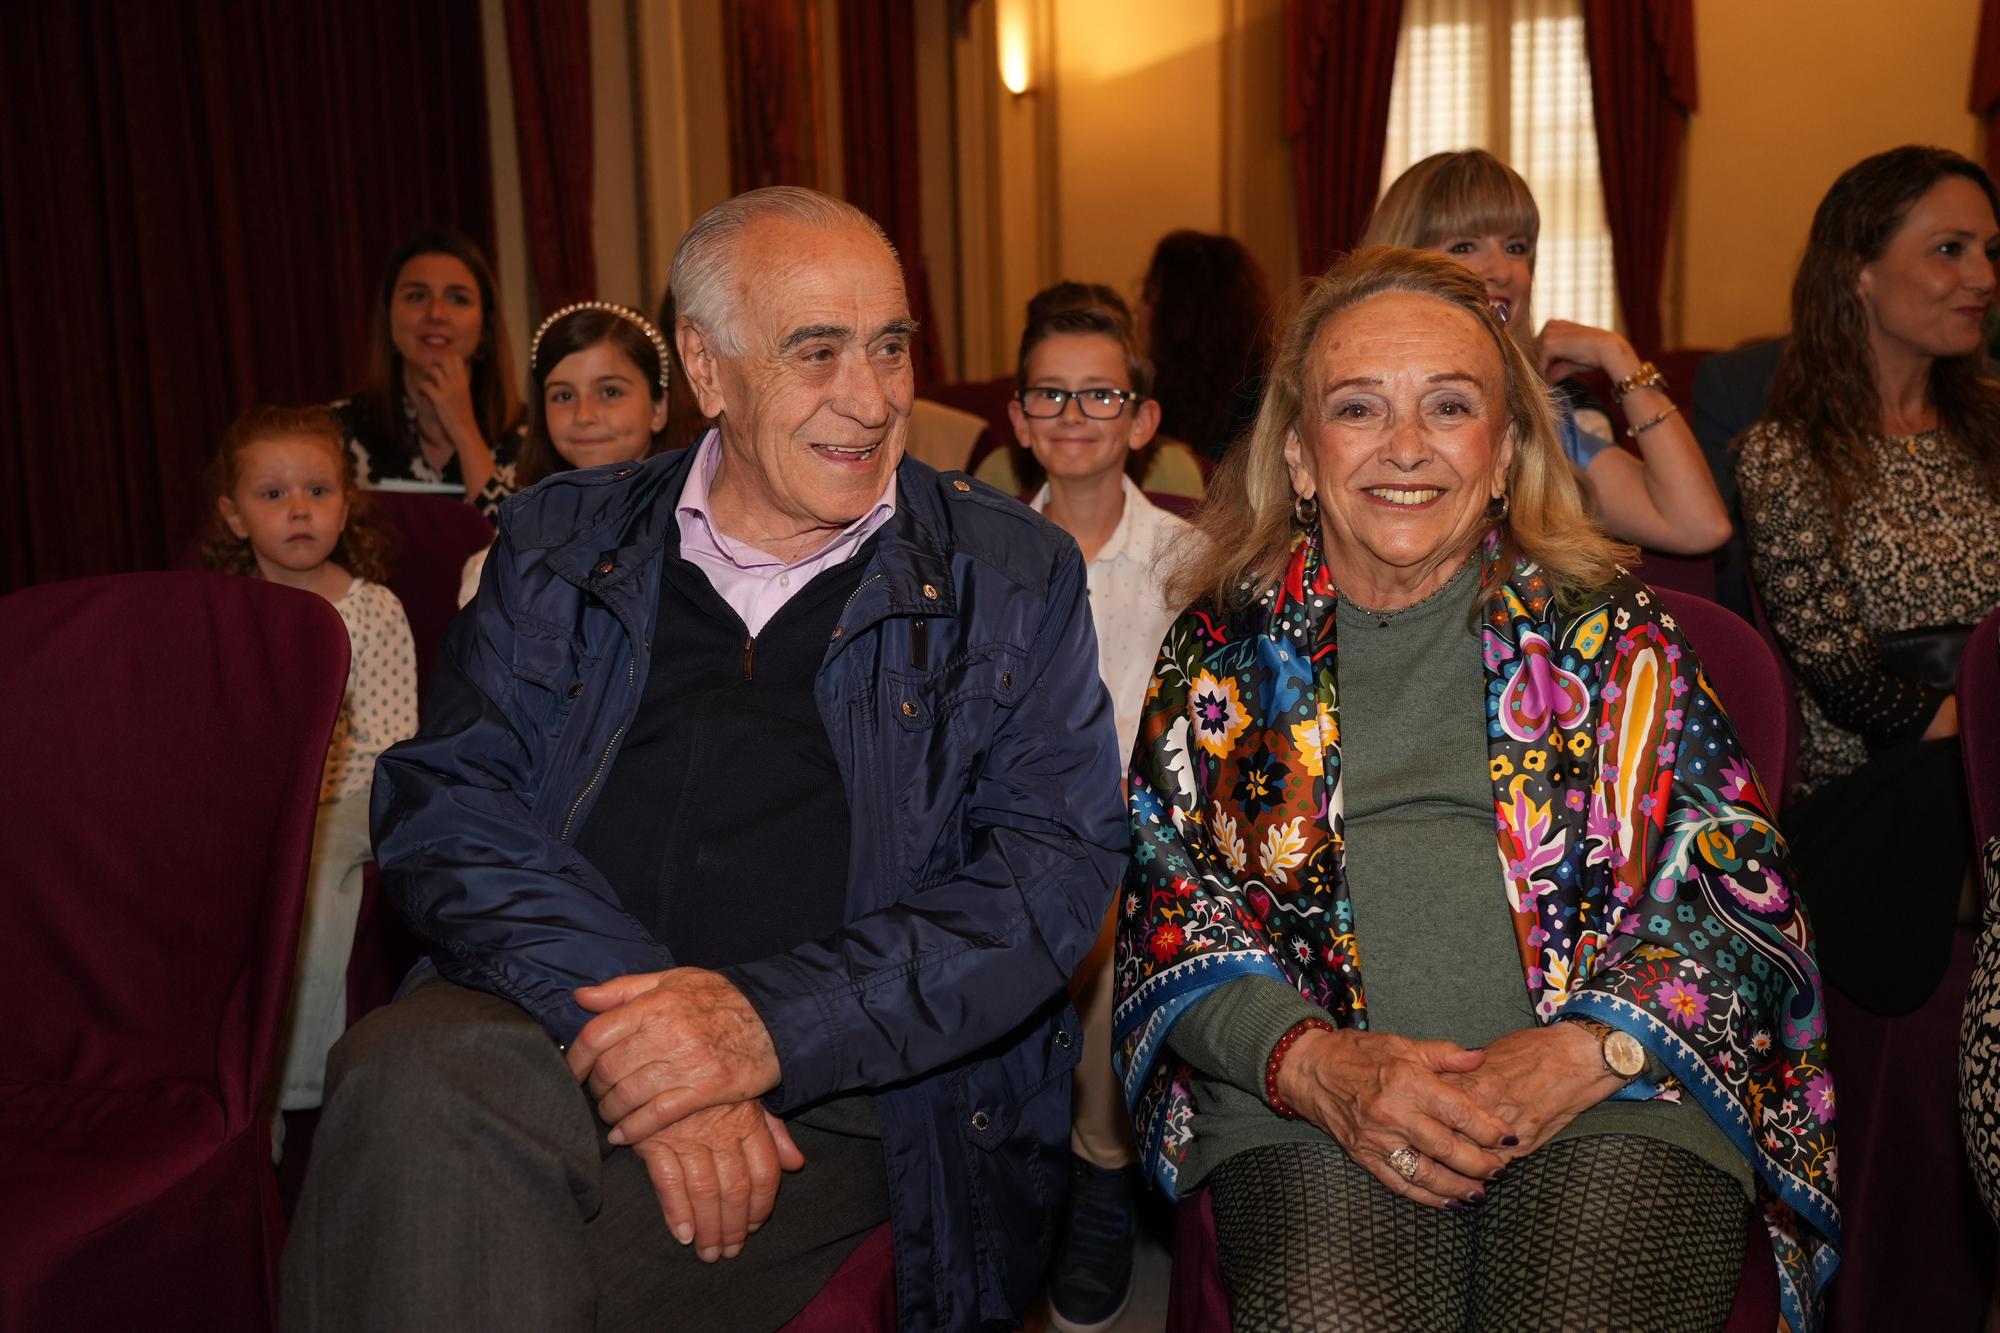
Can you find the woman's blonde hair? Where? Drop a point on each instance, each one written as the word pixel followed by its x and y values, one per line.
pixel 1246 526
pixel 1469 193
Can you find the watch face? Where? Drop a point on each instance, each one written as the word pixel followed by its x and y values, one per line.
pixel 1624 1054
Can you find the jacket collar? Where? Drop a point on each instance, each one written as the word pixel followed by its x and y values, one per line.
pixel 611 553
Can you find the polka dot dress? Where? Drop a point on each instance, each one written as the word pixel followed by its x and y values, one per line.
pixel 380 706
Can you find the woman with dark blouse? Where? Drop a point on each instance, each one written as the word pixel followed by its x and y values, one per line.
pixel 440 406
pixel 1869 495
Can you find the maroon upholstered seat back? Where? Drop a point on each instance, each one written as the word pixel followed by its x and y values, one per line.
pixel 1747 677
pixel 161 762
pixel 1979 725
pixel 433 536
pixel 1692 574
pixel 163 751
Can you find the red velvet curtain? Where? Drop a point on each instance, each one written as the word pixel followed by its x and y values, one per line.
pixel 774 94
pixel 197 202
pixel 1642 81
pixel 1986 80
pixel 1340 60
pixel 548 56
pixel 878 134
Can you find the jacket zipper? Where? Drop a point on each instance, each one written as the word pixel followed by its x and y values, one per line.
pixel 750 640
pixel 872 578
pixel 631 678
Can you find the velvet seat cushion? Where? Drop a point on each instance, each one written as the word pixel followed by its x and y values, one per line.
pixel 159 774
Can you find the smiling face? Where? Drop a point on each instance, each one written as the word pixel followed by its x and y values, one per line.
pixel 1403 441
pixel 289 503
pixel 435 310
pixel 815 410
pixel 599 408
pixel 1506 264
pixel 1926 295
pixel 1074 447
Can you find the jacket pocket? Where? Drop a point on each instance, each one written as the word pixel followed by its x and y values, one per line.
pixel 550 671
pixel 939 726
pixel 998 1092
pixel 1014 1117
pixel 922 701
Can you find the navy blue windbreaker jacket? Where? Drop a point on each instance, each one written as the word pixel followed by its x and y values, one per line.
pixel 988 830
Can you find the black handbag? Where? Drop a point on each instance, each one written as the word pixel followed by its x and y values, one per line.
pixel 1927 656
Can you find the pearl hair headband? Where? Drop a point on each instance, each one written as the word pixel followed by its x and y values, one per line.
pixel 631 317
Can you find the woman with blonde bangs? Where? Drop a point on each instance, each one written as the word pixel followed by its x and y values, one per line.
pixel 1589 1045
pixel 1476 209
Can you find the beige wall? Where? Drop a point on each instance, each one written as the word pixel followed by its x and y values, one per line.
pixel 615 161
pixel 1142 116
pixel 1139 116
pixel 1792 93
pixel 1257 205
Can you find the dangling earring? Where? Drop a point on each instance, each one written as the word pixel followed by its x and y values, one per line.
pixel 1498 507
pixel 1305 512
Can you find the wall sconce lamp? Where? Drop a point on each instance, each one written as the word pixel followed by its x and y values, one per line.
pixel 1015 67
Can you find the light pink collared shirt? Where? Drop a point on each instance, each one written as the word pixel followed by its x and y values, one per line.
pixel 753 582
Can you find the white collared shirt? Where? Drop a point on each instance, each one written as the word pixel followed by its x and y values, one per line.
pixel 1127 603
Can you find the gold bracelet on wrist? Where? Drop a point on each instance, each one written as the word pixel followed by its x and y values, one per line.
pixel 1647 376
pixel 1636 431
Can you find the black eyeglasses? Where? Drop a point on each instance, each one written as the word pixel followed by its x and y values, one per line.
pixel 1097 404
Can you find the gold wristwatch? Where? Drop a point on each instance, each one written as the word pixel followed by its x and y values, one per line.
pixel 1623 1054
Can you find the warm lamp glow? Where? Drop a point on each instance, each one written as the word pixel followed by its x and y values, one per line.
pixel 1014 52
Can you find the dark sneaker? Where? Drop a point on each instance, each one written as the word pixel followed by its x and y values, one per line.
pixel 1093 1268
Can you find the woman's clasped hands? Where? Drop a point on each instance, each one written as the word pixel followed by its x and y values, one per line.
pixel 1465 1113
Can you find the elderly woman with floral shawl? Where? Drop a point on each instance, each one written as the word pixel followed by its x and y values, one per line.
pixel 1435 1079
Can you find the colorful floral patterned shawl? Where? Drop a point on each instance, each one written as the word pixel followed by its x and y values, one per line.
pixel 1650 889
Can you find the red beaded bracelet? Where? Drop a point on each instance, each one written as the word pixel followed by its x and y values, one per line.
pixel 1278 1053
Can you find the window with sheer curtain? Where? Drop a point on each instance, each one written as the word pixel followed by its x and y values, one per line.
pixel 1512 77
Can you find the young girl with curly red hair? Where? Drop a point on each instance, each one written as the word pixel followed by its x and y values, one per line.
pixel 286 510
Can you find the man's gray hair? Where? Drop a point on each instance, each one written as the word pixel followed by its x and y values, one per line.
pixel 704 275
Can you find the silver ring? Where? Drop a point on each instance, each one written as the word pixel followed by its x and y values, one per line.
pixel 1406 1162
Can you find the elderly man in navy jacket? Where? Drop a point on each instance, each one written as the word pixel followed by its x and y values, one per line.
pixel 766 800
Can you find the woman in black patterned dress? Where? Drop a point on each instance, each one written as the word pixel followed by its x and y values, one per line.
pixel 440 405
pixel 1869 490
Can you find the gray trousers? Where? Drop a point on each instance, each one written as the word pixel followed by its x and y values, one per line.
pixel 461 1179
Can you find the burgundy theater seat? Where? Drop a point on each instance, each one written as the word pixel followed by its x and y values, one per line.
pixel 430 537
pixel 1690 574
pixel 163 764
pixel 861 1295
pixel 433 535
pixel 1749 679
